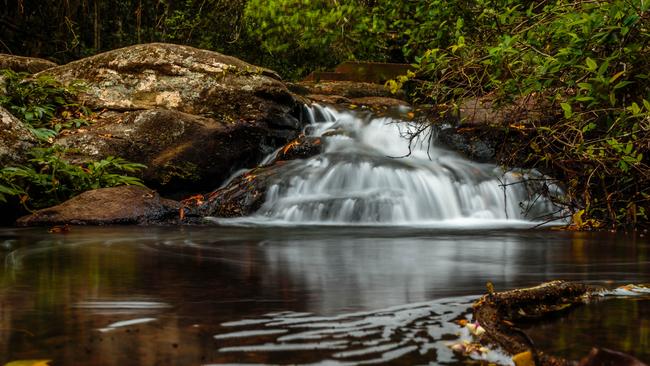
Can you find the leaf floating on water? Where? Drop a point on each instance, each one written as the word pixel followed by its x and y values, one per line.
pixel 29 363
pixel 523 359
pixel 59 229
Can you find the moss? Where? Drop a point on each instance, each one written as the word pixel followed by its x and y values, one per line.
pixel 183 170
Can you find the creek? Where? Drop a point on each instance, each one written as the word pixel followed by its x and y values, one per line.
pixel 356 257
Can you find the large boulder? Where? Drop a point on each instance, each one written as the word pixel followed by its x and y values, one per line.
pixel 15 139
pixel 194 116
pixel 24 64
pixel 107 206
pixel 183 152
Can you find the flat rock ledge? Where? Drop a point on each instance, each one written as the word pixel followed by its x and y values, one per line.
pixel 498 313
pixel 107 206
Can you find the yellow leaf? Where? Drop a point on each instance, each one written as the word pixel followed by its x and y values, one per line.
pixel 616 76
pixel 577 219
pixel 523 359
pixel 29 363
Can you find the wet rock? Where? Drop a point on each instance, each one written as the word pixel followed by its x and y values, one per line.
pixel 24 64
pixel 346 89
pixel 245 194
pixel 329 99
pixel 478 143
pixel 378 102
pixel 301 148
pixel 106 206
pixel 241 197
pixel 15 139
pixel 193 115
pixel 183 152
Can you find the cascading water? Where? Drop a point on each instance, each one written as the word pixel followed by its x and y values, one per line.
pixel 370 172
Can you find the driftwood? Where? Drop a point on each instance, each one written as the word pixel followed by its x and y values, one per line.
pixel 498 313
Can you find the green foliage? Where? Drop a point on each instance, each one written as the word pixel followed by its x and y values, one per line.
pixel 50 179
pixel 585 63
pixel 43 103
pixel 314 34
pixel 47 108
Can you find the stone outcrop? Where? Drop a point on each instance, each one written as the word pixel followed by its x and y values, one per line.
pixel 246 193
pixel 24 64
pixel 348 89
pixel 182 152
pixel 193 116
pixel 15 139
pixel 107 206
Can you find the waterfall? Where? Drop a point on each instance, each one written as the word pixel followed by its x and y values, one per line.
pixel 371 172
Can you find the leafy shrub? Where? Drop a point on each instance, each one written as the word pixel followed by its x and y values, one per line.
pixel 586 61
pixel 43 103
pixel 50 179
pixel 48 108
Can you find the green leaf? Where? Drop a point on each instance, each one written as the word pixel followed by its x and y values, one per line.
pixel 591 64
pixel 622 84
pixel 566 107
pixel 646 104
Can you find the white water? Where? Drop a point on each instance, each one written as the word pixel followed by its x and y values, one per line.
pixel 369 173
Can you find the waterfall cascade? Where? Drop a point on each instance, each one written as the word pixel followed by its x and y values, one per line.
pixel 370 172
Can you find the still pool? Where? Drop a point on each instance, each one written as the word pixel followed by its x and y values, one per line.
pixel 307 295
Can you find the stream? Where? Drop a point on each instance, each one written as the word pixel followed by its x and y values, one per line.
pixel 305 295
pixel 366 253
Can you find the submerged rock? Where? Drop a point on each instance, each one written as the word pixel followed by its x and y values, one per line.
pixel 15 139
pixel 24 64
pixel 106 206
pixel 194 116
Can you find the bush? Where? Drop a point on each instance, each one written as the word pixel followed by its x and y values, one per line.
pixel 48 108
pixel 49 179
pixel 587 62
pixel 43 103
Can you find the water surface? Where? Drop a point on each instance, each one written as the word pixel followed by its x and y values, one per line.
pixel 171 296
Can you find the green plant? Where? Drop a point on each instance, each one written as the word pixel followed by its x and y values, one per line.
pixel 49 178
pixel 585 62
pixel 43 103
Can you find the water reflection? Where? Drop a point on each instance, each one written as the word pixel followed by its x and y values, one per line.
pixel 620 324
pixel 60 294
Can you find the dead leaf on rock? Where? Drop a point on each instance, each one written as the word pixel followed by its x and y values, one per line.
pixel 29 363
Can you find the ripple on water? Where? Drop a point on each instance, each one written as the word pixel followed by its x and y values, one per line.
pixel 414 333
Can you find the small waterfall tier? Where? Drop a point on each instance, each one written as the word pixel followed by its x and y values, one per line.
pixel 371 171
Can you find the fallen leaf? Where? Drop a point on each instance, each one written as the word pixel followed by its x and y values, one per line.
pixel 523 359
pixel 59 229
pixel 29 363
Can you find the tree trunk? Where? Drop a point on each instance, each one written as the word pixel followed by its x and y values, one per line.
pixel 96 27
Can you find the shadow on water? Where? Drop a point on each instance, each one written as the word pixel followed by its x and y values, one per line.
pixel 144 296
